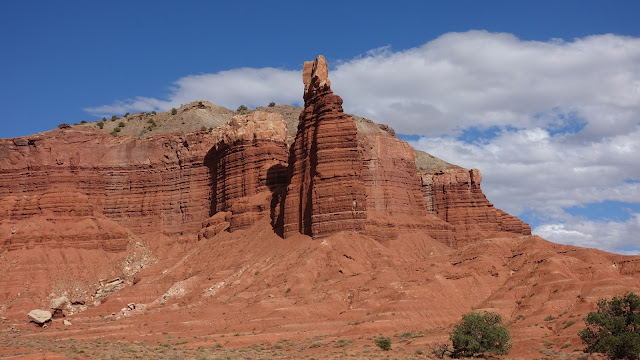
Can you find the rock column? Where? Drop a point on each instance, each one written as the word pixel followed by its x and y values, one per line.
pixel 326 193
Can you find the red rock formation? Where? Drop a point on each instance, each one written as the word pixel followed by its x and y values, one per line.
pixel 75 206
pixel 145 185
pixel 454 195
pixel 326 192
pixel 394 197
pixel 249 168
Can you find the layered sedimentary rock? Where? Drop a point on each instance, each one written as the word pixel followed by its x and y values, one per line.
pixel 145 185
pixel 326 193
pixel 249 168
pixel 454 195
pixel 392 186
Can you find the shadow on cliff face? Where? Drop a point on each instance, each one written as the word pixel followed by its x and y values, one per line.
pixel 211 162
pixel 276 181
pixel 277 184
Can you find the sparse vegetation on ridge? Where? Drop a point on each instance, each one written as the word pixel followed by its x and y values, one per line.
pixel 384 343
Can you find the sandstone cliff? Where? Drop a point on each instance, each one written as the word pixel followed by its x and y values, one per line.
pixel 249 168
pixel 454 195
pixel 326 192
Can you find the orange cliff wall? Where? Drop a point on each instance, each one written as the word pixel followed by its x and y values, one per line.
pixel 455 196
pixel 249 169
pixel 155 184
pixel 394 196
pixel 326 192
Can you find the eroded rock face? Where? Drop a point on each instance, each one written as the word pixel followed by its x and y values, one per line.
pixel 249 163
pixel 145 185
pixel 326 193
pixel 454 195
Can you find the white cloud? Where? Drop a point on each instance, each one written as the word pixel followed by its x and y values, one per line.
pixel 608 235
pixel 532 170
pixel 567 115
pixel 248 86
pixel 484 79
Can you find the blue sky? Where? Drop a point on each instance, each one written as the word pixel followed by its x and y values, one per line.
pixel 542 96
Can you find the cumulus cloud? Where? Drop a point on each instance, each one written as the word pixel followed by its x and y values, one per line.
pixel 618 235
pixel 484 79
pixel 248 86
pixel 551 124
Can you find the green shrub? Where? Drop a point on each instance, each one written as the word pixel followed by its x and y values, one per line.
pixel 569 323
pixel 100 124
pixel 614 328
pixel 121 124
pixel 242 108
pixel 272 104
pixel 174 111
pixel 127 114
pixel 547 343
pixel 113 118
pixel 153 112
pixel 439 350
pixel 203 128
pixel 383 343
pixel 481 333
pixel 117 130
pixel 104 119
pixel 83 122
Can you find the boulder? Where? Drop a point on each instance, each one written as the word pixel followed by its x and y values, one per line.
pixel 39 316
pixel 59 303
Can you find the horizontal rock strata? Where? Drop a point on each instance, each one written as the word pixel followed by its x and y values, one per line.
pixel 454 195
pixel 326 192
pixel 249 168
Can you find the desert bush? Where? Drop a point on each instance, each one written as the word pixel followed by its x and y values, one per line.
pixel 113 118
pixel 614 328
pixel 83 122
pixel 481 333
pixel 383 343
pixel 154 112
pixel 569 323
pixel 117 130
pixel 439 350
pixel 100 124
pixel 174 111
pixel 121 124
pixel 64 126
pixel 272 104
pixel 127 114
pixel 242 108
